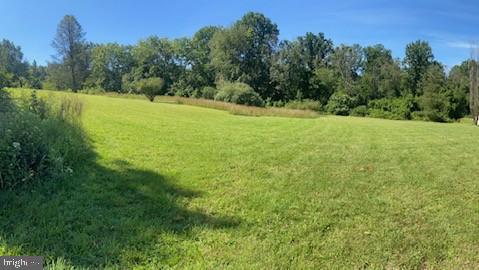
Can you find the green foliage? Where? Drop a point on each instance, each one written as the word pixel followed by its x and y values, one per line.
pixel 3 80
pixel 109 63
pixel 299 69
pixel 458 103
pixel 306 104
pixel 361 111
pixel 93 91
pixel 151 87
pixel 419 116
pixel 243 52
pixel 239 93
pixel 392 108
pixel 434 106
pixel 323 83
pixel 181 89
pixel 434 101
pixel 39 140
pixel 73 53
pixel 382 75
pixel 348 62
pixel 155 57
pixel 36 76
pixel 309 67
pixel 199 57
pixel 13 68
pixel 208 92
pixel 341 104
pixel 418 58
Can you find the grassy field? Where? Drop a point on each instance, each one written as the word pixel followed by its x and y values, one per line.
pixel 187 187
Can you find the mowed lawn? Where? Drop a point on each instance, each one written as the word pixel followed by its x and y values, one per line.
pixel 176 186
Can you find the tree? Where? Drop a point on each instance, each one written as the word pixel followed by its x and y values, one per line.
pixel 381 76
pixel 458 90
pixel 155 57
pixel 418 58
pixel 12 65
pixel 243 52
pixel 239 93
pixel 58 76
pixel 348 62
pixel 36 75
pixel 473 88
pixel 151 87
pixel 315 50
pixel 288 74
pixel 72 50
pixel 434 102
pixel 323 83
pixel 294 68
pixel 109 63
pixel 202 70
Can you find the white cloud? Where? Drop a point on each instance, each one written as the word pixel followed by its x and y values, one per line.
pixel 460 44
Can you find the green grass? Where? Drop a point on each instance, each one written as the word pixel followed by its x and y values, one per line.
pixel 188 187
pixel 226 106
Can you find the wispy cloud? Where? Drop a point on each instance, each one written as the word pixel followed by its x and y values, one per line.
pixel 460 44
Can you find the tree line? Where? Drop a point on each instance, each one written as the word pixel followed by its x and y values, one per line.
pixel 246 61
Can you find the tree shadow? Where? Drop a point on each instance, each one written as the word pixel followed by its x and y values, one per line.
pixel 102 217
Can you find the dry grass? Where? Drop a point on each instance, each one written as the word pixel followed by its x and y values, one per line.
pixel 219 105
pixel 239 109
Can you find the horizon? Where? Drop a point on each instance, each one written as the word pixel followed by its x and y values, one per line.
pixel 449 27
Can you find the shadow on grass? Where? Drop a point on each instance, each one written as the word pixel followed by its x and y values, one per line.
pixel 119 216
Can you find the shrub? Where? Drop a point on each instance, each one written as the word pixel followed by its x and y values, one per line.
pixel 239 93
pixel 150 87
pixel 392 108
pixel 208 92
pixel 419 115
pixel 341 104
pixel 361 111
pixel 435 106
pixel 3 80
pixel 278 103
pixel 181 89
pixel 39 139
pixel 306 104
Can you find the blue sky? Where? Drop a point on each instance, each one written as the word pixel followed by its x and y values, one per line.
pixel 449 26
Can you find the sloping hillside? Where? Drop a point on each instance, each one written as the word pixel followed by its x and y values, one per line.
pixel 182 186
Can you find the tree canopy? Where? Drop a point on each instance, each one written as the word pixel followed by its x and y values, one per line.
pixel 249 55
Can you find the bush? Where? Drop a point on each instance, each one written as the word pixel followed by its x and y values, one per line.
pixel 361 111
pixel 435 106
pixel 181 89
pixel 419 115
pixel 208 92
pixel 392 108
pixel 3 80
pixel 278 103
pixel 150 87
pixel 239 93
pixel 341 104
pixel 39 139
pixel 305 104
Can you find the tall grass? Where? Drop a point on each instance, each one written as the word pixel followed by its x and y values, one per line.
pixel 40 138
pixel 296 111
pixel 240 109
